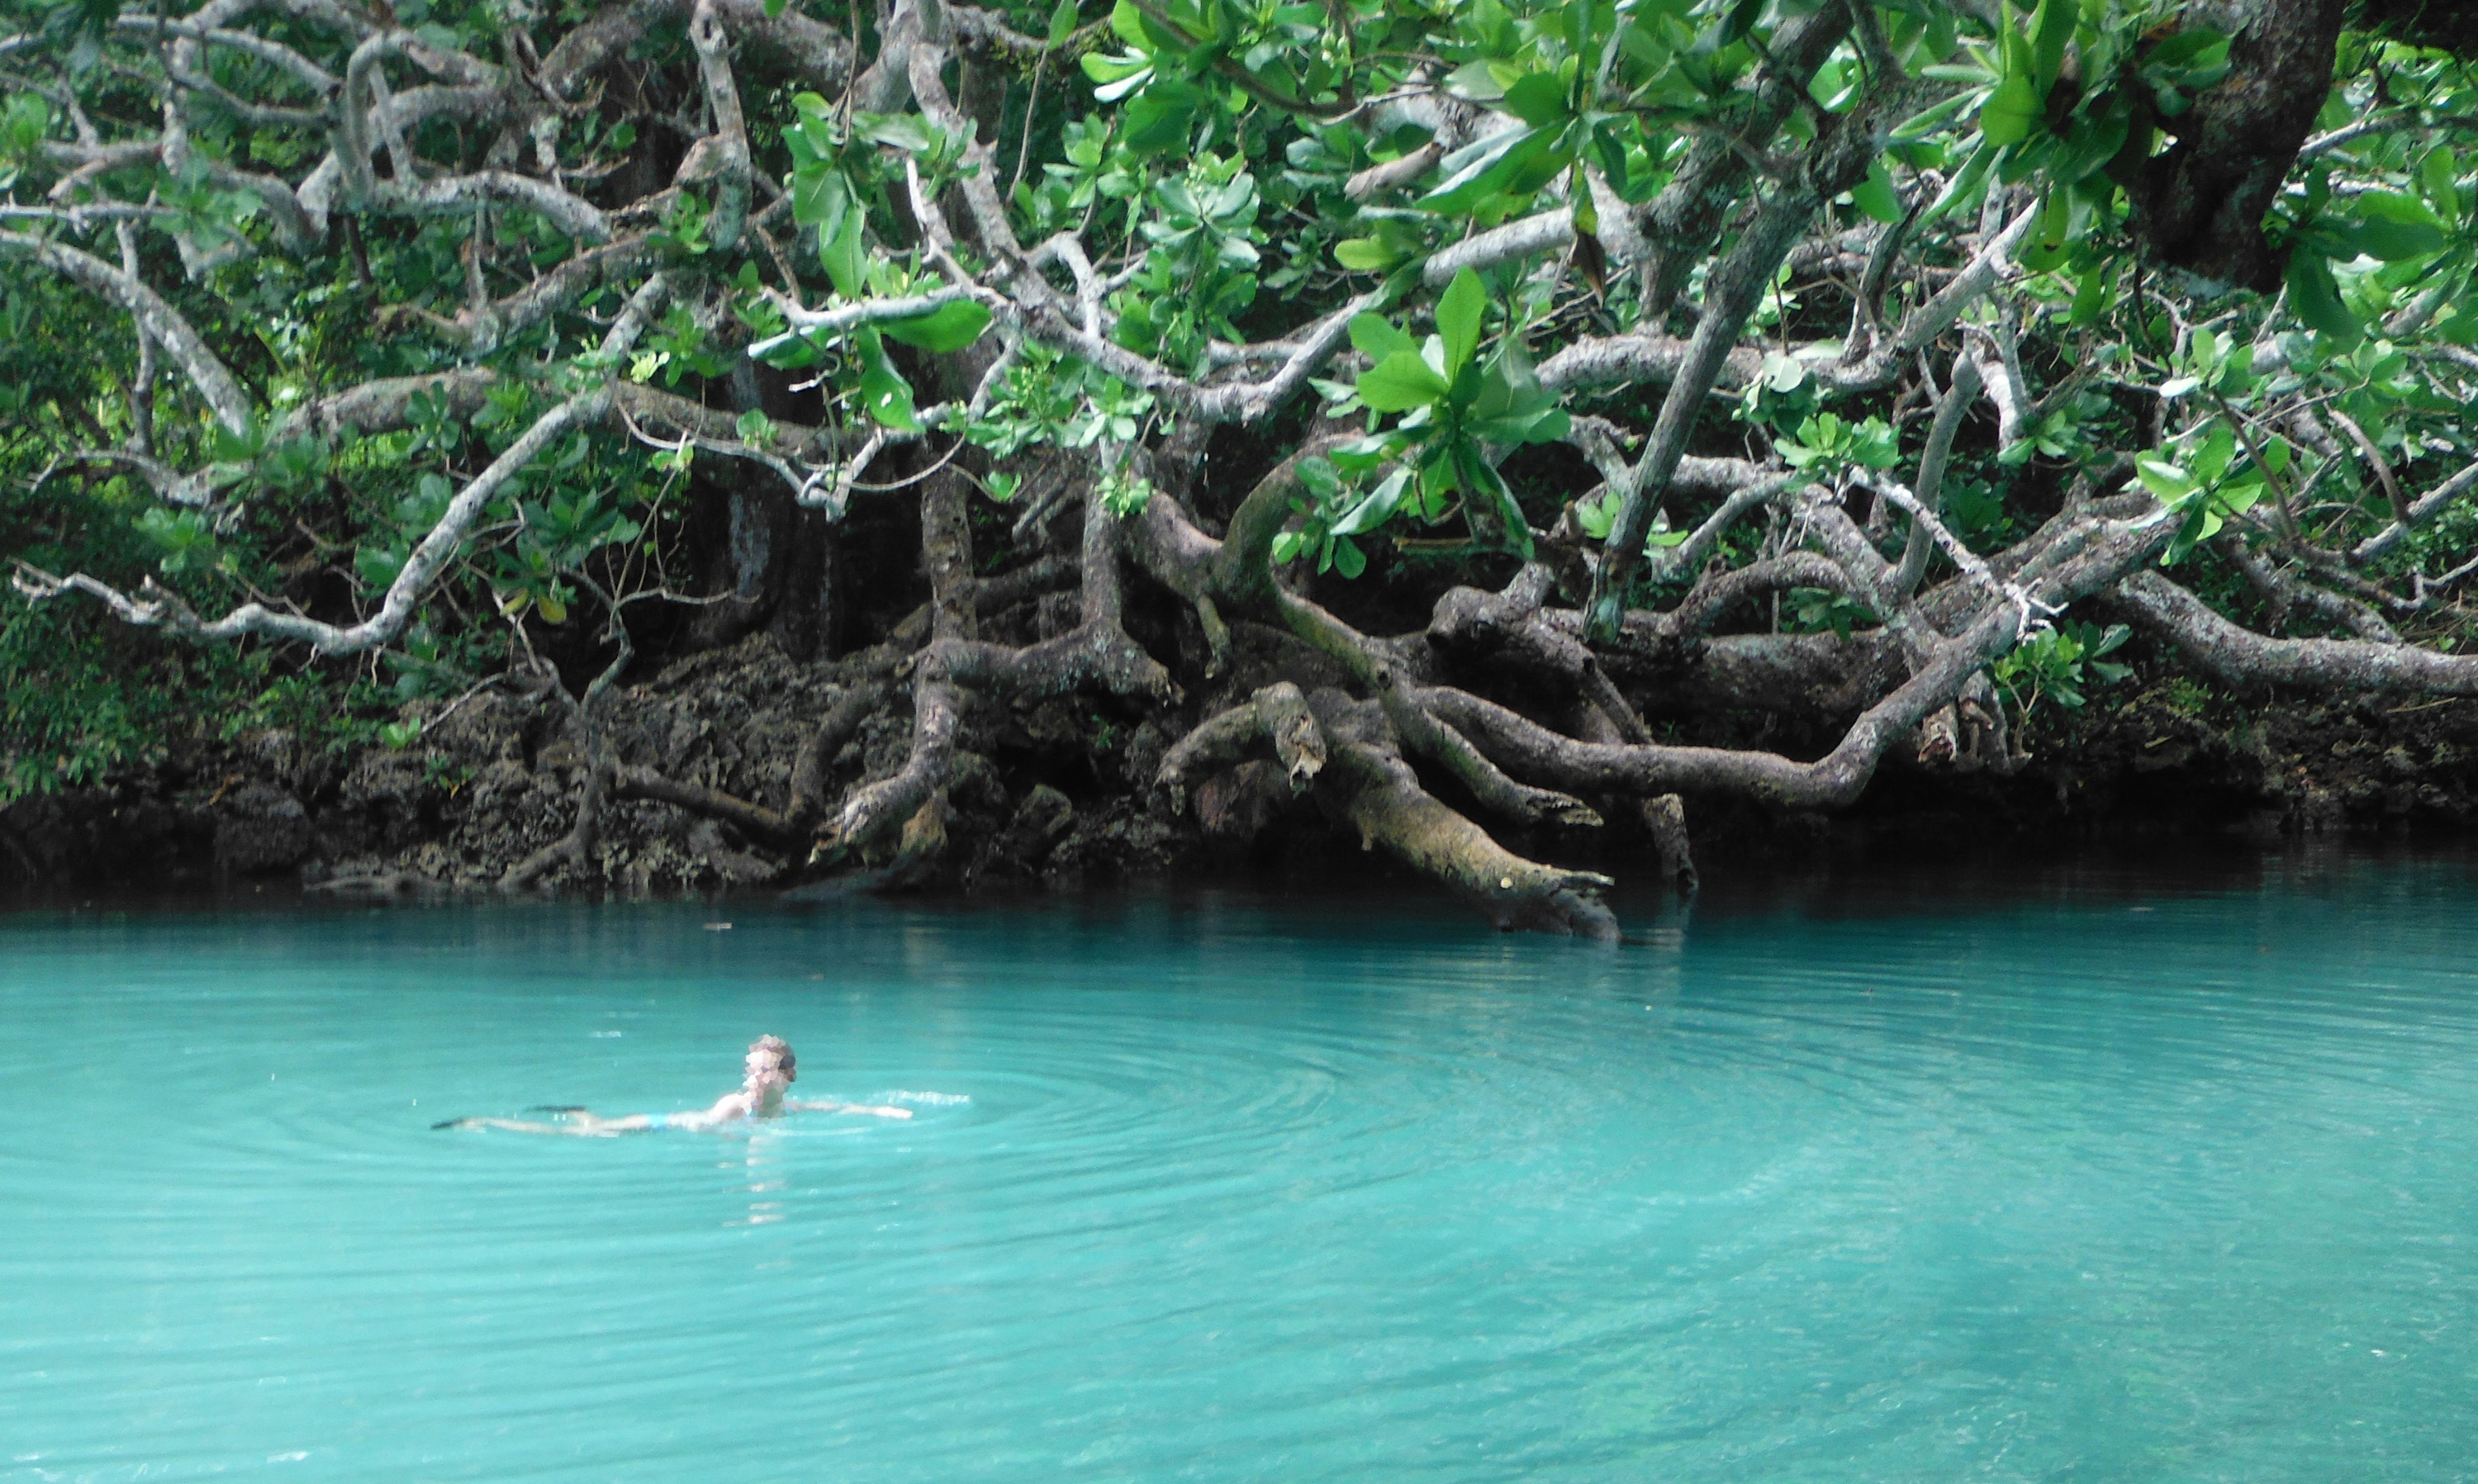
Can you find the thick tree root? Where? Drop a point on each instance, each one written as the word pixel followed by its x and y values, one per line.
pixel 1383 797
pixel 937 717
pixel 1419 730
pixel 1277 714
pixel 818 754
pixel 1350 754
pixel 2239 656
pixel 1666 817
pixel 576 846
pixel 756 819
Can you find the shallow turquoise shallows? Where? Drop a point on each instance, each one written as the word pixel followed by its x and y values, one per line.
pixel 2080 1183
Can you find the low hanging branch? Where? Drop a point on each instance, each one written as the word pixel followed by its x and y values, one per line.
pixel 486 324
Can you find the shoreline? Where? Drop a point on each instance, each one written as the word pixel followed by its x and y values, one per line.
pixel 1064 799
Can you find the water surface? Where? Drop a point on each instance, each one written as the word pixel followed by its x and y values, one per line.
pixel 2075 1184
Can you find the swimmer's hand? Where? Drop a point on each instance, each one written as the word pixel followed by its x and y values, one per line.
pixel 873 1110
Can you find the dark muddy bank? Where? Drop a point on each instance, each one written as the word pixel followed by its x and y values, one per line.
pixel 1064 792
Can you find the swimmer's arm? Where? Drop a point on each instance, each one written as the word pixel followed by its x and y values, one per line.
pixel 872 1110
pixel 726 1108
pixel 586 1127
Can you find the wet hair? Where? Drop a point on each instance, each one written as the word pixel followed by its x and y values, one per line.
pixel 782 1050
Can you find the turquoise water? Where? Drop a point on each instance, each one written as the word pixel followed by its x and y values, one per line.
pixel 2089 1183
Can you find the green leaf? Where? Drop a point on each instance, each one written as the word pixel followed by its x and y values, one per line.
pixel 1459 310
pixel 2011 110
pixel 1376 336
pixel 2091 299
pixel 1062 23
pixel 2210 460
pixel 1484 480
pixel 949 327
pixel 1478 171
pixel 2392 241
pixel 2091 143
pixel 378 566
pixel 883 390
pixel 1378 506
pixel 1596 517
pixel 1365 254
pixel 906 131
pixel 1157 120
pixel 1963 183
pixel 1399 383
pixel 23 126
pixel 1537 98
pixel 1476 81
pixel 2051 28
pixel 2437 175
pixel 2166 482
pixel 2011 41
pixel 1112 71
pixel 845 259
pixel 1920 125
pixel 2316 298
pixel 817 194
pixel 1347 559
pixel 1875 195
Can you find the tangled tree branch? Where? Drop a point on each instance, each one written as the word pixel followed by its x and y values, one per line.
pixel 499 318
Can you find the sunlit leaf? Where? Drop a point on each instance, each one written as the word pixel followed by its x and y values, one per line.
pixel 1459 310
pixel 1376 336
pixel 949 327
pixel 1400 381
pixel 1537 98
pixel 2011 110
pixel 1875 195
pixel 1157 120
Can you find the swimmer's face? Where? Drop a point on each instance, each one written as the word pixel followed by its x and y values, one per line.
pixel 764 1066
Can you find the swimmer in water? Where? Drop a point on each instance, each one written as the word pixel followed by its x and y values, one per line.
pixel 770 1069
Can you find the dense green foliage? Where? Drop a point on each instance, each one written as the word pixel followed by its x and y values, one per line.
pixel 1468 202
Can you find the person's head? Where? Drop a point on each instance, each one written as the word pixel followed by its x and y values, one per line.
pixel 770 1056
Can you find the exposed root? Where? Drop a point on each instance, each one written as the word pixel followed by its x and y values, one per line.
pixel 1217 636
pixel 818 754
pixel 1508 629
pixel 1096 654
pixel 573 849
pixel 1666 815
pixel 1277 714
pixel 2238 656
pixel 1382 796
pixel 937 716
pixel 1418 729
pixel 917 854
pixel 756 819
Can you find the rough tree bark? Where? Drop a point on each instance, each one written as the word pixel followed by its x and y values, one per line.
pixel 2201 201
pixel 1516 709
